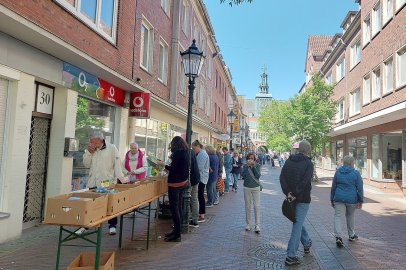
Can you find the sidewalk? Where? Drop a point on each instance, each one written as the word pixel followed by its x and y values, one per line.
pixel 222 243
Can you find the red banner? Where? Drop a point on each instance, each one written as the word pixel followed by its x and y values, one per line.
pixel 139 105
pixel 111 93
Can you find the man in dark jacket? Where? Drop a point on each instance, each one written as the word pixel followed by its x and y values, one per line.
pixel 295 178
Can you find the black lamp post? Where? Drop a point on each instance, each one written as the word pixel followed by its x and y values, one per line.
pixel 242 135
pixel 231 118
pixel 192 61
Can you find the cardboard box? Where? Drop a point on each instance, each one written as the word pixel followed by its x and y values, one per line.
pixel 132 194
pixel 119 201
pixel 85 261
pixel 76 208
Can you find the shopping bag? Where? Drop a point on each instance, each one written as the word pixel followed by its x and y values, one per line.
pixel 220 184
pixel 288 210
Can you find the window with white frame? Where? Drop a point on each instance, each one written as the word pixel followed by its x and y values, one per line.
pixel 340 111
pixel 209 63
pixel 186 18
pixel 202 98
pixel 366 31
pixel 163 62
pixel 376 84
pixel 366 89
pixel 182 79
pixel 355 53
pixel 208 102
pixel 376 19
pixel 355 102
pixel 387 76
pixel 400 4
pixel 100 15
pixel 147 39
pixel 340 70
pixel 329 78
pixel 166 6
pixel 387 7
pixel 401 67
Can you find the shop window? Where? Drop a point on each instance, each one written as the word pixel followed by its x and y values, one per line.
pixel 357 147
pixel 100 15
pixel 375 157
pixel 3 115
pixel 91 116
pixel 392 156
pixel 339 152
pixel 151 136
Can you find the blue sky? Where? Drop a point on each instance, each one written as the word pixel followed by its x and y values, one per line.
pixel 272 33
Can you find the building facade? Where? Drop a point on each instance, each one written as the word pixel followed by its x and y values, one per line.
pixel 366 65
pixel 68 68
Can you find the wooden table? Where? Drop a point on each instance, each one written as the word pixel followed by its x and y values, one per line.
pixel 146 205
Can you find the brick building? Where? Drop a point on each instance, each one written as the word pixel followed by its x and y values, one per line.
pixel 366 64
pixel 70 67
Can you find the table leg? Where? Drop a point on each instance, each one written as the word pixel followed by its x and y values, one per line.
pixel 58 255
pixel 98 244
pixel 156 219
pixel 149 222
pixel 121 231
pixel 132 229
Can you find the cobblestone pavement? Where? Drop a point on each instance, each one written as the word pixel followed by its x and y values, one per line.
pixel 222 243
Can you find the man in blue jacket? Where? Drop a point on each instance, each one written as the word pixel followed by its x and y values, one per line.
pixel 228 166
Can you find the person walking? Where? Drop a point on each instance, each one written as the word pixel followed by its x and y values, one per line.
pixel 135 163
pixel 105 168
pixel 203 163
pixel 347 194
pixel 228 167
pixel 250 174
pixel 177 181
pixel 212 199
pixel 295 179
pixel 236 170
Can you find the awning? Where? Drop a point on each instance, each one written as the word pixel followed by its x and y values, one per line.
pixel 221 137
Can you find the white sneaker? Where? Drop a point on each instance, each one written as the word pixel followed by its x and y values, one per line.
pixel 80 231
pixel 257 229
pixel 248 227
pixel 112 230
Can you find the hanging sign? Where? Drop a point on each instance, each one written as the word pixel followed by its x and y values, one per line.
pixel 139 105
pixel 89 85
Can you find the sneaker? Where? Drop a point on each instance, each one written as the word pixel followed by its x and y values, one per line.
pixel 226 191
pixel 201 219
pixel 257 229
pixel 235 190
pixel 339 242
pixel 306 250
pixel 193 224
pixel 209 205
pixel 248 228
pixel 353 238
pixel 81 231
pixel 112 230
pixel 216 203
pixel 292 260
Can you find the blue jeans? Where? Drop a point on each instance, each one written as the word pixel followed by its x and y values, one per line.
pixel 299 233
pixel 211 187
pixel 227 181
pixel 235 180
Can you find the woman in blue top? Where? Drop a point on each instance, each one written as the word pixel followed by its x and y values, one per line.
pixel 346 195
pixel 212 195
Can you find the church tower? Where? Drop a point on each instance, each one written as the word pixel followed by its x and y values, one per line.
pixel 263 97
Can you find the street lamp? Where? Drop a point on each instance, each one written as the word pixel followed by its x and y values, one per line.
pixel 192 61
pixel 231 118
pixel 242 130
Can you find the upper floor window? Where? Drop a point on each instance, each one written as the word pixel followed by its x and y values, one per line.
pixel 387 10
pixel 400 4
pixel 186 18
pixel 340 111
pixel 147 38
pixel 340 70
pixel 355 54
pixel 376 83
pixel 329 79
pixel 366 31
pixel 366 90
pixel 202 97
pixel 100 15
pixel 166 6
pixel 388 76
pixel 163 62
pixel 355 102
pixel 376 19
pixel 401 67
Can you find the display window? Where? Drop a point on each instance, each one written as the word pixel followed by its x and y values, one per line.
pixel 392 155
pixel 357 147
pixel 375 157
pixel 91 116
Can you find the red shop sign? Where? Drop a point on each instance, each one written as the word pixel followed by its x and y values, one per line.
pixel 112 93
pixel 139 105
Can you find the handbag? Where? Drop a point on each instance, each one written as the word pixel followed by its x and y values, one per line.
pixel 255 179
pixel 289 210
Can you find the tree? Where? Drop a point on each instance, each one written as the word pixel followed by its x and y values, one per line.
pixel 236 2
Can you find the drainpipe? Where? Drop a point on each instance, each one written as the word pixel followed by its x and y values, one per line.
pixel 175 51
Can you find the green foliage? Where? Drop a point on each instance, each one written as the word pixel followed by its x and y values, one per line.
pixel 83 119
pixel 306 116
pixel 235 2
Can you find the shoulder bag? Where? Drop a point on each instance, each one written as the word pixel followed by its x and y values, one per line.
pixel 255 179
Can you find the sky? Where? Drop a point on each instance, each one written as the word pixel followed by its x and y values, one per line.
pixel 273 33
